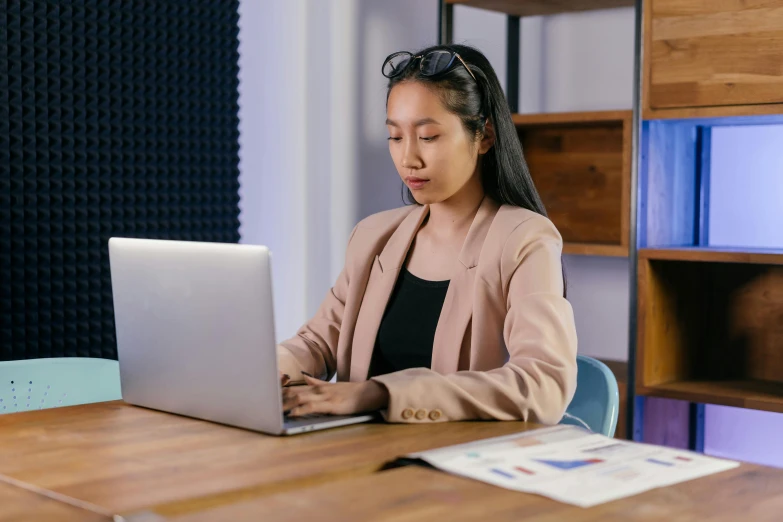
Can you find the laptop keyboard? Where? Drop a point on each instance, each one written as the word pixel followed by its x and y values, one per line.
pixel 312 416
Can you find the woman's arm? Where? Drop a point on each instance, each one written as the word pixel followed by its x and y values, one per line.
pixel 314 347
pixel 539 379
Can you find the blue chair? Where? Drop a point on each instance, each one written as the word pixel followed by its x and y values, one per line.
pixel 596 402
pixel 35 384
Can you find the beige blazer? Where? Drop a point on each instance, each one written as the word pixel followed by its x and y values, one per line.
pixel 505 343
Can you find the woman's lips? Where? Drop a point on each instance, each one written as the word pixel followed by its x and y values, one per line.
pixel 415 183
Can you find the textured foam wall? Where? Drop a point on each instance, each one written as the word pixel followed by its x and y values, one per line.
pixel 117 118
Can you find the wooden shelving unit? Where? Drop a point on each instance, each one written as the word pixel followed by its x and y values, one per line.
pixel 542 7
pixel 571 118
pixel 706 59
pixel 756 395
pixel 589 249
pixel 709 320
pixel 581 165
pixel 711 326
pixel 712 254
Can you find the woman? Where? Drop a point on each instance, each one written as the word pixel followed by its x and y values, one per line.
pixel 452 308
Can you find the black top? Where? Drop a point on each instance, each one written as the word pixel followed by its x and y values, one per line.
pixel 407 329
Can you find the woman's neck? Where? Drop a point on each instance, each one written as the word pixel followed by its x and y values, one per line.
pixel 455 215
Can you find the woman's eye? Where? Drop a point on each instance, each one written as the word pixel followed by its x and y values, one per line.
pixel 428 138
pixel 392 138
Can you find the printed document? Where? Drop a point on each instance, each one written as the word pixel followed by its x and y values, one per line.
pixel 572 465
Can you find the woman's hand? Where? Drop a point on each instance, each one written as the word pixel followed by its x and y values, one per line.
pixel 342 398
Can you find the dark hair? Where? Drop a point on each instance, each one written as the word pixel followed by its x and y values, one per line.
pixel 504 172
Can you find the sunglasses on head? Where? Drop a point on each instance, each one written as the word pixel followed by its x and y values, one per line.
pixel 430 64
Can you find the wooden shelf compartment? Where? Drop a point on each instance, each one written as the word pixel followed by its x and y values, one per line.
pixel 710 326
pixel 707 59
pixel 542 7
pixel 714 254
pixel 756 395
pixel 581 165
pixel 589 249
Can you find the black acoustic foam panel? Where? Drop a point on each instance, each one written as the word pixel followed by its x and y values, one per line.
pixel 117 118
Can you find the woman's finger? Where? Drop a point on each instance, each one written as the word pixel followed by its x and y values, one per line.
pixel 300 396
pixel 293 397
pixel 312 381
pixel 307 408
pixel 312 408
pixel 299 411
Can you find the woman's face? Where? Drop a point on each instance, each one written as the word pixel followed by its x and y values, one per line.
pixel 433 154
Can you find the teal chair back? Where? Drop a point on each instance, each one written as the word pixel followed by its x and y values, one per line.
pixel 596 402
pixel 35 384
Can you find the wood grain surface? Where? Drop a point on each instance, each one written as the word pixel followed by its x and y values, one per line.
pixel 580 164
pixel 123 458
pixel 18 504
pixel 710 327
pixel 420 495
pixel 710 54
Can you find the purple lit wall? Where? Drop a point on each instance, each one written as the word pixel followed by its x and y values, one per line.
pixel 746 187
pixel 746 210
pixel 746 435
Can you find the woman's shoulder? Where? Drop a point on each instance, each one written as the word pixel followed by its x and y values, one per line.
pixel 516 226
pixel 518 235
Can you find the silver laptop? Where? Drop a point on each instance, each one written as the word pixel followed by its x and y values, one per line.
pixel 195 333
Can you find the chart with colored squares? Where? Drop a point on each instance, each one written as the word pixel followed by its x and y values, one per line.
pixel 572 465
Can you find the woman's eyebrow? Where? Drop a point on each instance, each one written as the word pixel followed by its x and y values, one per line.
pixel 418 123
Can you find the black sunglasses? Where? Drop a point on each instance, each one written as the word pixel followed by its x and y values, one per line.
pixel 430 64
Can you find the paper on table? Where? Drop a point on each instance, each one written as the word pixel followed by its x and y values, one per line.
pixel 572 465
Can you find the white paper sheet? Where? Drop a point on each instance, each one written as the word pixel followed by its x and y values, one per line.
pixel 572 465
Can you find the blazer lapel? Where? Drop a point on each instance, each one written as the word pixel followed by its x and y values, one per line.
pixel 383 276
pixel 458 306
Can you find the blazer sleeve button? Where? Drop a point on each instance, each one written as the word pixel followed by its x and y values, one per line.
pixel 435 415
pixel 407 413
pixel 421 414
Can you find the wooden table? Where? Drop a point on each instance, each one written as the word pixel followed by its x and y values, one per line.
pixel 124 459
pixel 414 494
pixel 89 462
pixel 18 503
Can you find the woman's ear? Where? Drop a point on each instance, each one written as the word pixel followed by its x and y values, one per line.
pixel 488 140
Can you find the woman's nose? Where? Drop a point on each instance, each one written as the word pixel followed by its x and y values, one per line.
pixel 411 158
